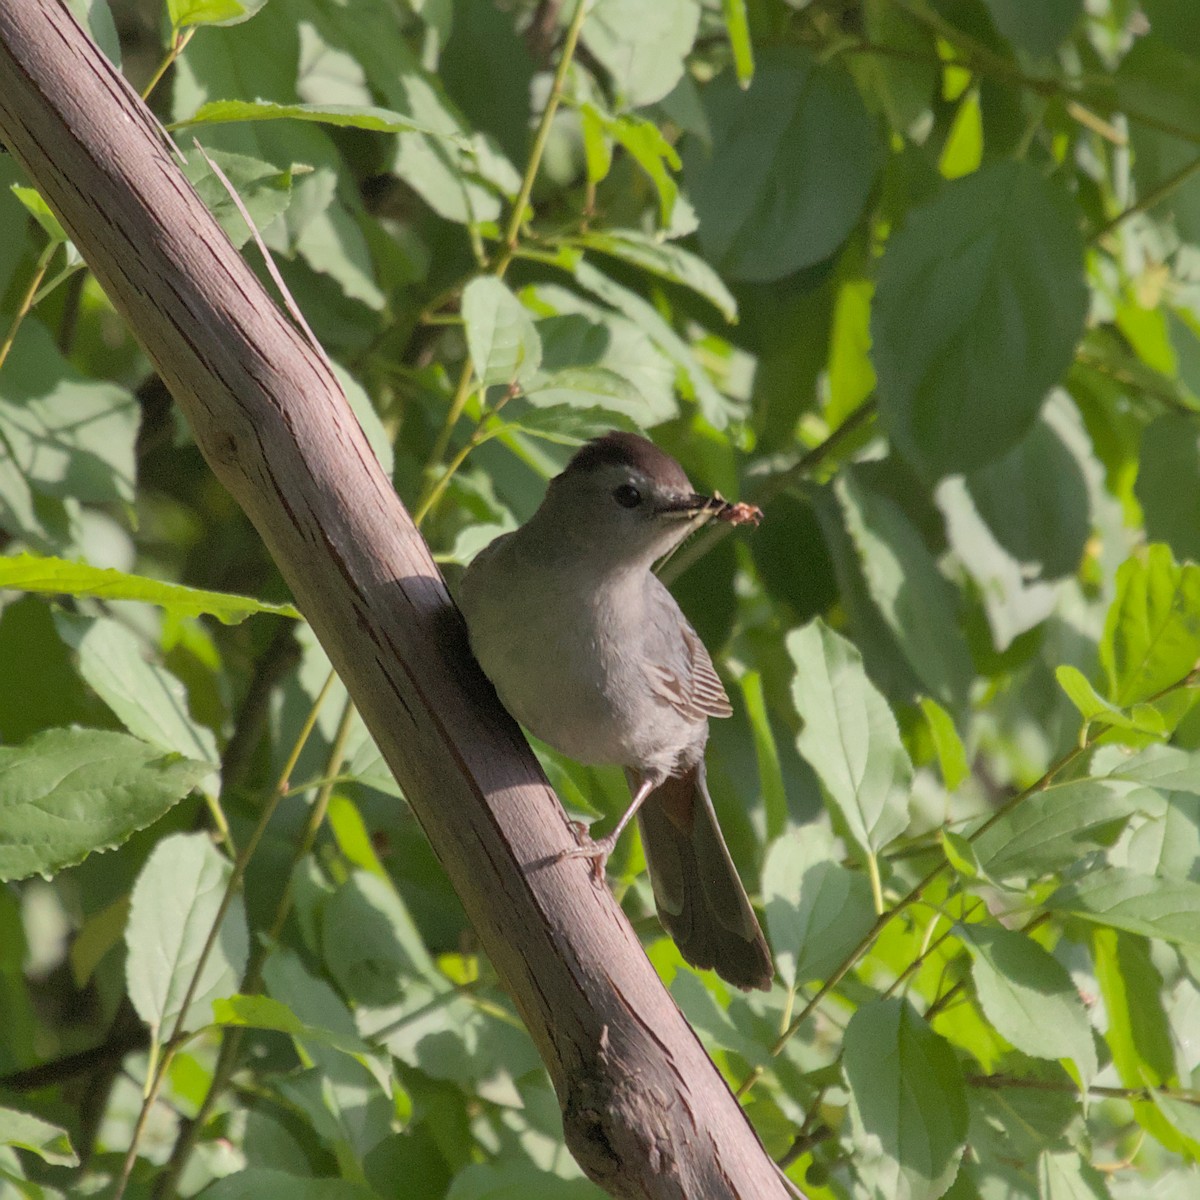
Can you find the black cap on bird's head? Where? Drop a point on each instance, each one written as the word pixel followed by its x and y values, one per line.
pixel 621 489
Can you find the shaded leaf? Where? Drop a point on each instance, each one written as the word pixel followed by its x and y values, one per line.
pixel 817 914
pixel 789 169
pixel 908 1102
pixel 915 599
pixel 1036 26
pixel 979 304
pixel 265 1183
pixel 28 1132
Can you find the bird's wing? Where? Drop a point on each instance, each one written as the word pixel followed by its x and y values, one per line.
pixel 696 692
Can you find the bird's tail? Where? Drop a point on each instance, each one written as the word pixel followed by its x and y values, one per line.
pixel 700 898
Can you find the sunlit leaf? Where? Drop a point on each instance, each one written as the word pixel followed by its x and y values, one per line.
pixel 68 792
pixel 849 736
pixel 57 577
pixel 175 906
pixel 1029 996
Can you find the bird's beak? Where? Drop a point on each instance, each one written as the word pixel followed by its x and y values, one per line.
pixel 690 506
pixel 711 506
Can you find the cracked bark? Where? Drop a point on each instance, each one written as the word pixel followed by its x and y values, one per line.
pixel 645 1112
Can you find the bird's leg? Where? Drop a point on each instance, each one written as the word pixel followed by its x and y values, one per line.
pixel 599 849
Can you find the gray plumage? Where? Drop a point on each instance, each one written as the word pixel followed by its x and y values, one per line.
pixel 590 652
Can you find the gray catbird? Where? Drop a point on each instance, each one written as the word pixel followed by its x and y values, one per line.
pixel 590 652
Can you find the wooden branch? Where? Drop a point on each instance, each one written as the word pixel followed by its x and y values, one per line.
pixel 645 1112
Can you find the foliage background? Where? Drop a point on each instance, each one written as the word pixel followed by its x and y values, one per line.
pixel 921 278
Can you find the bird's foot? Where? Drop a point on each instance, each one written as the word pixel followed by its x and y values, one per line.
pixel 597 850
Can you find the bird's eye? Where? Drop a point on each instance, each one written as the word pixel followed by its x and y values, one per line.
pixel 627 496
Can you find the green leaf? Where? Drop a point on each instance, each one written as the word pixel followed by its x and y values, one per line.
pixel 586 388
pixel 1066 1175
pixel 1138 1032
pixel 817 912
pixel 655 155
pixel 175 904
pixel 1029 997
pixel 916 601
pixel 597 149
pixel 1054 827
pixel 961 856
pixel 264 1012
pixel 57 577
pixel 904 79
pixel 567 424
pixel 580 334
pixel 379 120
pixel 1162 79
pixel 265 191
pixel 1184 1119
pixel 266 1183
pixel 1142 718
pixel 68 792
pixel 1152 634
pixel 1012 602
pixel 27 1132
pixel 149 700
pixel 184 13
pixel 642 45
pixel 350 1102
pixel 850 737
pixel 1036 26
pixel 666 260
pixel 501 337
pixel 790 166
pixel 31 198
pixel 1168 909
pixel 766 753
pixel 907 1101
pixel 1035 499
pixel 1168 483
pixel 737 25
pixel 69 436
pixel 952 755
pixel 979 304
pixel 688 375
pixel 369 941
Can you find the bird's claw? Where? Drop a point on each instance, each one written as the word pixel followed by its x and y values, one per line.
pixel 595 850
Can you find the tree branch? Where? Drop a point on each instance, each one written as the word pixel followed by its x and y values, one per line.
pixel 645 1112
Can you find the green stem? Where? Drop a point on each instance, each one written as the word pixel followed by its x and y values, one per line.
pixel 436 483
pixel 26 303
pixel 912 897
pixel 231 1040
pixel 161 1064
pixel 517 217
pixel 179 42
pixel 1150 199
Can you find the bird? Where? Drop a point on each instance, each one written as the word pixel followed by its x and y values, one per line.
pixel 590 652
